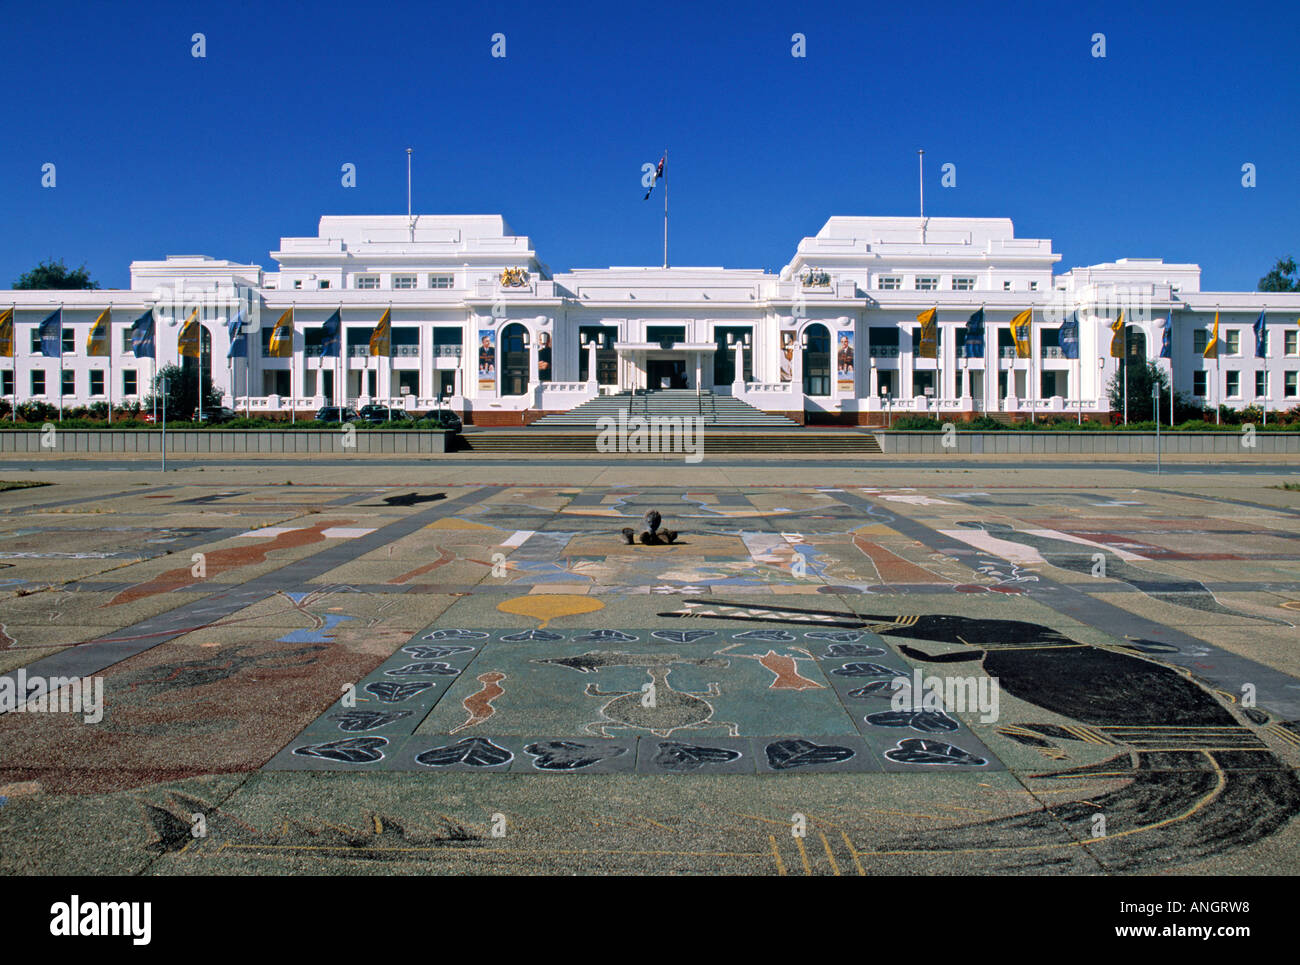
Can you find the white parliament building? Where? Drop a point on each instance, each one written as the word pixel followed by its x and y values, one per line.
pixel 481 324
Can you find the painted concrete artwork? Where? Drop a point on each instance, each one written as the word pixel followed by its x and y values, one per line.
pixel 499 638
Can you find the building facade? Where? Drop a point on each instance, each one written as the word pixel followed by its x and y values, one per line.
pixel 480 324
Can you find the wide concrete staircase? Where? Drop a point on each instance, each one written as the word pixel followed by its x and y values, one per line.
pixel 718 411
pixel 730 426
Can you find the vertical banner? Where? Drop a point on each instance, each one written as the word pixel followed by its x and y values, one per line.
pixel 787 356
pixel 487 360
pixel 544 357
pixel 844 363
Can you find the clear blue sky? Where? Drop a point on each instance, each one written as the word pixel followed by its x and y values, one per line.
pixel 1138 154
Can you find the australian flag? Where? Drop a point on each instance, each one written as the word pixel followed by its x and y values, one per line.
pixel 1069 336
pixel 330 342
pixel 1166 348
pixel 659 173
pixel 1260 344
pixel 142 330
pixel 973 344
pixel 52 335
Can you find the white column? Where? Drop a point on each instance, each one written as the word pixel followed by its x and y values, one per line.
pixel 593 380
pixel 738 378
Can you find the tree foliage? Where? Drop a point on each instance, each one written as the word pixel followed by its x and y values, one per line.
pixel 50 275
pixel 1142 377
pixel 182 394
pixel 1282 278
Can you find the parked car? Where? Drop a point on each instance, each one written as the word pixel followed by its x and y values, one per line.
pixel 377 414
pixel 444 419
pixel 213 415
pixel 337 413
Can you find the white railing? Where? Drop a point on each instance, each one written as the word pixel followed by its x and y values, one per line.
pixel 775 388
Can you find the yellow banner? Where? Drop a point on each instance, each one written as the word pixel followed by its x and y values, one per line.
pixel 281 346
pixel 7 333
pixel 1020 333
pixel 381 341
pixel 1212 347
pixel 99 342
pixel 928 347
pixel 1117 337
pixel 187 343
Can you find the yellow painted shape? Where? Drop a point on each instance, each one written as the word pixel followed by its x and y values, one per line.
pixel 451 522
pixel 550 606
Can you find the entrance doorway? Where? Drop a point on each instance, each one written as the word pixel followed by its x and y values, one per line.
pixel 665 374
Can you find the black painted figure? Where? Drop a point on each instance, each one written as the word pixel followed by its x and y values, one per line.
pixel 1199 782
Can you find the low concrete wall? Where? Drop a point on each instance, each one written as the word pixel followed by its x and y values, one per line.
pixel 1094 442
pixel 225 440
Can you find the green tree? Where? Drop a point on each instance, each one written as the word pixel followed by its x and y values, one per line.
pixel 56 275
pixel 1143 376
pixel 1282 278
pixel 182 395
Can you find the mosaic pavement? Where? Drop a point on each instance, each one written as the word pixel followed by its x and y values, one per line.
pixel 410 652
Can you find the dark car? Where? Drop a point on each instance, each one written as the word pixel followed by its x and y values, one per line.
pixel 378 414
pixel 214 415
pixel 443 419
pixel 337 413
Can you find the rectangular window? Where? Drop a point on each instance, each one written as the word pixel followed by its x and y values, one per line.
pixel 1232 383
pixel 1261 385
pixel 404 281
pixel 38 382
pixel 963 284
pixel 1291 342
pixel 96 381
pixel 442 281
pixel 324 283
pixel 1200 339
pixel 1264 340
pixel 1232 342
pixel 126 341
pixel 69 382
pixel 889 283
pixel 1006 286
pixel 6 381
pixel 129 383
pixel 367 281
pixel 1290 385
pixel 1033 286
pixel 1198 383
pixel 927 283
pixel 36 339
pixel 69 340
pixel 297 283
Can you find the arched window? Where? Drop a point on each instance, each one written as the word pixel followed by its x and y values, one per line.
pixel 514 360
pixel 816 360
pixel 1135 344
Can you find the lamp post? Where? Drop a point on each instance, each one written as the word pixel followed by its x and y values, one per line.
pixel 1155 394
pixel 166 388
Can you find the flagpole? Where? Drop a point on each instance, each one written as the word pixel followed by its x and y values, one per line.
pixel 14 349
pixel 665 208
pixel 1218 399
pixel 60 361
pixel 110 366
pixel 1034 387
pixel 1263 335
pixel 199 319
